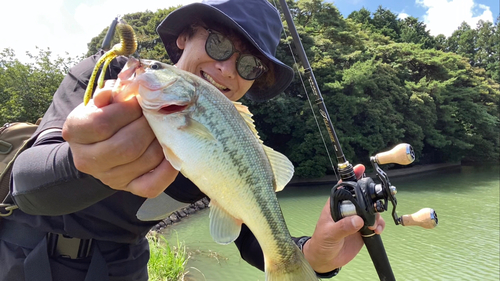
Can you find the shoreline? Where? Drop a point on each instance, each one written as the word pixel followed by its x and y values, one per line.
pixel 417 169
pixel 179 215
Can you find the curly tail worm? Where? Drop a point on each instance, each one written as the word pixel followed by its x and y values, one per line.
pixel 126 47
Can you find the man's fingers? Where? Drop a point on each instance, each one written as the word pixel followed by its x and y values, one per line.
pixel 359 170
pixel 90 124
pixel 104 96
pixel 123 147
pixel 379 225
pixel 344 227
pixel 155 182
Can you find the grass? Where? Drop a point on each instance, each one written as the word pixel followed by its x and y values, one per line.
pixel 166 263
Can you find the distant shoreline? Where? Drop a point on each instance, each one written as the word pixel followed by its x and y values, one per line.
pixel 180 214
pixel 417 169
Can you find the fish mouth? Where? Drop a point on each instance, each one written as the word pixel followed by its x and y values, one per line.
pixel 209 78
pixel 172 108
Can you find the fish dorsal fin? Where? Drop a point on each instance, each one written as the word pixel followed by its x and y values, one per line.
pixel 282 167
pixel 247 116
pixel 224 228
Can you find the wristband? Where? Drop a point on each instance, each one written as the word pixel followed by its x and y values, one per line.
pixel 301 241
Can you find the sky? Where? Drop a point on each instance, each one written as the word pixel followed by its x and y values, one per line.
pixel 66 26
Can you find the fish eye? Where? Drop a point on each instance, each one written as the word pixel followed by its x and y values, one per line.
pixel 156 65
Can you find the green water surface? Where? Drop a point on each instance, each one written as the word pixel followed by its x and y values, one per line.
pixel 464 246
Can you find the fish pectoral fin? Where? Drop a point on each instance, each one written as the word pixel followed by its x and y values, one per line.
pixel 198 129
pixel 282 167
pixel 175 161
pixel 224 228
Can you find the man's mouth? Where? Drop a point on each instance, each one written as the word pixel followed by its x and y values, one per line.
pixel 212 81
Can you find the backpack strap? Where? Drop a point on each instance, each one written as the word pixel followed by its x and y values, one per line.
pixel 7 205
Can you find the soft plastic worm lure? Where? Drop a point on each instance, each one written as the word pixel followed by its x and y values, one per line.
pixel 126 47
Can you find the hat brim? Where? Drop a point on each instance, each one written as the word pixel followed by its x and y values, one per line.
pixel 170 28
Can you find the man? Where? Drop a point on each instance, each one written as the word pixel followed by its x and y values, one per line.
pixel 91 167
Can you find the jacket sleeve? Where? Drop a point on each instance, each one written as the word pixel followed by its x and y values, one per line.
pixel 249 248
pixel 44 178
pixel 46 182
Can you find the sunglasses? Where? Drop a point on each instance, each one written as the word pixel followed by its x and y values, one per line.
pixel 220 48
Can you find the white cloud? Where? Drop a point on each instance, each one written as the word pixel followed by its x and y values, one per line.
pixel 65 25
pixel 403 15
pixel 444 17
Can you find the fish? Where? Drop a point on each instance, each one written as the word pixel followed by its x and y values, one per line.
pixel 213 142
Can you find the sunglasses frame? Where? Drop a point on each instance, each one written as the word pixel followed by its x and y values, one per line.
pixel 233 50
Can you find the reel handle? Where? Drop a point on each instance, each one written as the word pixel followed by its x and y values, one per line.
pixel 402 154
pixel 426 218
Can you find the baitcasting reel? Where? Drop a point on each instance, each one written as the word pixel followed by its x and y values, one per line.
pixel 365 198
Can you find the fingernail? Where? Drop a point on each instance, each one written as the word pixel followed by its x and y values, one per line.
pixel 356 223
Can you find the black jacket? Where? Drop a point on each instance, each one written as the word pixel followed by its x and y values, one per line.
pixel 54 196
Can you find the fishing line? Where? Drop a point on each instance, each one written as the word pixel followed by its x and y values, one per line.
pixel 308 98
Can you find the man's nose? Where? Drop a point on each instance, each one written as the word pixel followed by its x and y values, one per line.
pixel 228 67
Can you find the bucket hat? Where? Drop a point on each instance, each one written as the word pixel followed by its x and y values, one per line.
pixel 257 20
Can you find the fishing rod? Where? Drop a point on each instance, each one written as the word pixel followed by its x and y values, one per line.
pixel 106 43
pixel 363 197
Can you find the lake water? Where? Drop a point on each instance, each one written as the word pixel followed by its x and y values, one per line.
pixel 464 246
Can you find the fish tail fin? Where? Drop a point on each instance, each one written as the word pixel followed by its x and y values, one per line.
pixel 296 269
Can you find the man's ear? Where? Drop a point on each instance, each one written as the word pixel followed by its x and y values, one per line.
pixel 181 41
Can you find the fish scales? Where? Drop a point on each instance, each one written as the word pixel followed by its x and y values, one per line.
pixel 258 179
pixel 207 138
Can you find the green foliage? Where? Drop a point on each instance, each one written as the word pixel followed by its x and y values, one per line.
pixel 26 89
pixel 149 45
pixel 383 80
pixel 166 263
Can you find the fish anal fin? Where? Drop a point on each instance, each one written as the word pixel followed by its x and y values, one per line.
pixel 224 228
pixel 282 168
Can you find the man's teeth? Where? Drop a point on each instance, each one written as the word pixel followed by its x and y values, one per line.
pixel 211 80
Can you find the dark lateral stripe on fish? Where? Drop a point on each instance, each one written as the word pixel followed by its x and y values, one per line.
pixel 276 227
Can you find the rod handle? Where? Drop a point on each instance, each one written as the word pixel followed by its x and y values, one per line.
pixel 402 154
pixel 426 218
pixel 376 249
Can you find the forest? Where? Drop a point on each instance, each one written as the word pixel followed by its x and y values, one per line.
pixel 384 81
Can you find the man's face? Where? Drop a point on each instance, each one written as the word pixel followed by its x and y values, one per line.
pixel 221 74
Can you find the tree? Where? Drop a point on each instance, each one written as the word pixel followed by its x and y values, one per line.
pixel 386 22
pixel 362 16
pixel 415 31
pixel 26 90
pixel 383 82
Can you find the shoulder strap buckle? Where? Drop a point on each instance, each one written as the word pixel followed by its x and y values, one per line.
pixel 6 209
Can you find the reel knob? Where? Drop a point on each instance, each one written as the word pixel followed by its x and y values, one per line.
pixel 402 154
pixel 426 218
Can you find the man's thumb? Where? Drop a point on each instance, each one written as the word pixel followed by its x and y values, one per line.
pixel 353 224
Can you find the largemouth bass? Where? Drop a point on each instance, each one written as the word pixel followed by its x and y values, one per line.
pixel 213 142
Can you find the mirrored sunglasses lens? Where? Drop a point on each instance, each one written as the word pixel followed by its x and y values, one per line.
pixel 249 67
pixel 218 47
